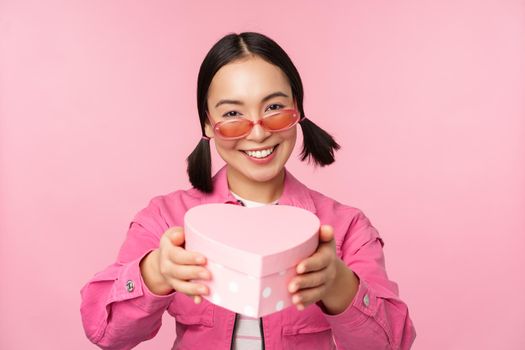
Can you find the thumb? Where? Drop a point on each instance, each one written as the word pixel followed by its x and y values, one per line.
pixel 326 233
pixel 176 235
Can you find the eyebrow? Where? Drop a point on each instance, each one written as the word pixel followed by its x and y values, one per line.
pixel 237 102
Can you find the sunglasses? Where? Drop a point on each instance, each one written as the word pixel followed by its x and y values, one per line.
pixel 238 127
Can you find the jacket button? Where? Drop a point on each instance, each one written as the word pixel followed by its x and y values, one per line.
pixel 366 300
pixel 130 286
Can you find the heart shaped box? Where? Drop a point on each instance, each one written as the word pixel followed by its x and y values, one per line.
pixel 251 253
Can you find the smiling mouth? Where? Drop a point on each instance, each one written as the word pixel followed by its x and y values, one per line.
pixel 260 154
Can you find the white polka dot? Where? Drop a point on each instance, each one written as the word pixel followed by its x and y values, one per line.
pixel 216 299
pixel 282 273
pixel 249 311
pixel 279 305
pixel 267 292
pixel 233 287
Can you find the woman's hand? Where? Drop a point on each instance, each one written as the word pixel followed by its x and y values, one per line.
pixel 172 267
pixel 324 277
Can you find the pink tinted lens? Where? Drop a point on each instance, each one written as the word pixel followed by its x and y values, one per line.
pixel 280 121
pixel 234 128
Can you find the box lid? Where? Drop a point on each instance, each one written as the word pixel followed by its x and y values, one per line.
pixel 257 241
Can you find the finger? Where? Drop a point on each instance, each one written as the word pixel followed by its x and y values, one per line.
pixel 182 256
pixel 175 235
pixel 309 280
pixel 188 288
pixel 318 261
pixel 308 296
pixel 190 272
pixel 326 233
pixel 197 299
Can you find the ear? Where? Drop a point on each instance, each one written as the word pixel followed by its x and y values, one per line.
pixel 208 130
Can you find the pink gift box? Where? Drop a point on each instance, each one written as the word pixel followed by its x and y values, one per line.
pixel 252 253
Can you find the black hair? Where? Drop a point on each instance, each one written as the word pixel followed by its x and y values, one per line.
pixel 318 145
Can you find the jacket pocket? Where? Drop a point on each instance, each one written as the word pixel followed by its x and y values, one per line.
pixel 188 313
pixel 310 320
pixel 307 329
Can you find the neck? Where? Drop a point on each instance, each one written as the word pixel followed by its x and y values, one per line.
pixel 263 192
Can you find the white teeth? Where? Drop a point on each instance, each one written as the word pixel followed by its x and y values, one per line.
pixel 260 154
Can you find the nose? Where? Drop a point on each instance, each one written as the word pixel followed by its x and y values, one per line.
pixel 258 133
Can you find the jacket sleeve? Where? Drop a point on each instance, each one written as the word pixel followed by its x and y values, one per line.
pixel 377 318
pixel 118 310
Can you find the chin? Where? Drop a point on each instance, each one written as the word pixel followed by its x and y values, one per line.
pixel 264 176
pixel 261 174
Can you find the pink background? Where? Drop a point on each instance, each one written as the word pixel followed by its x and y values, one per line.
pixel 98 112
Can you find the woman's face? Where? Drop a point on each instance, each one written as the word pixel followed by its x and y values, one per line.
pixel 251 88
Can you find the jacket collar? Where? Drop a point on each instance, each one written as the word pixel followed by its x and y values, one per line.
pixel 294 193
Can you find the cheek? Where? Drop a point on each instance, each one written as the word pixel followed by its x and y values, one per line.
pixel 225 146
pixel 289 136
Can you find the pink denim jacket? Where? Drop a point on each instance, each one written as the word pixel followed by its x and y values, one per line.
pixel 118 310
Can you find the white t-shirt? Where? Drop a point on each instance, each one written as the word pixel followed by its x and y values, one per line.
pixel 247 332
